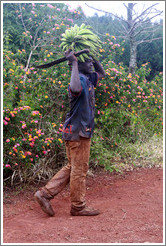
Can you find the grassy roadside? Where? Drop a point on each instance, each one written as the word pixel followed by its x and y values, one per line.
pixel 148 154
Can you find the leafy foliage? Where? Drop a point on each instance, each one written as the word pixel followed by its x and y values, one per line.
pixel 79 38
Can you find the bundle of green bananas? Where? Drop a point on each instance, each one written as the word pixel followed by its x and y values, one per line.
pixel 78 38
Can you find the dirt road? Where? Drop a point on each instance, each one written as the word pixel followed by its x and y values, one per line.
pixel 131 208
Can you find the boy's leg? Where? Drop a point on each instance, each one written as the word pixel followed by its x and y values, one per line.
pixel 53 187
pixel 79 152
pixel 75 171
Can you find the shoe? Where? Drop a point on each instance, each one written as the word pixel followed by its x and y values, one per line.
pixel 44 204
pixel 86 211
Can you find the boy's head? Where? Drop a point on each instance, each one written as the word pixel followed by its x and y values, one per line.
pixel 84 67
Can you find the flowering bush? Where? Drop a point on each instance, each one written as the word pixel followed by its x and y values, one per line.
pixel 128 109
pixel 26 140
pixel 131 97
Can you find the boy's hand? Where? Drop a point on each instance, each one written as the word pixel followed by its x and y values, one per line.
pixel 70 56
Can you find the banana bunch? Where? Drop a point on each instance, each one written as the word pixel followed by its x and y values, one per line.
pixel 78 38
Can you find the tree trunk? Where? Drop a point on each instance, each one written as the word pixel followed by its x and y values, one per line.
pixel 133 56
pixel 133 45
pixel 129 15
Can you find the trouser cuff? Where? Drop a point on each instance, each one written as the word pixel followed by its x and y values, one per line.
pixel 44 192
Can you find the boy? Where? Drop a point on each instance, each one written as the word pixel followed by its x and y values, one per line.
pixel 77 133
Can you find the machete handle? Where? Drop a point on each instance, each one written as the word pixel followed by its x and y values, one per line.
pixel 61 59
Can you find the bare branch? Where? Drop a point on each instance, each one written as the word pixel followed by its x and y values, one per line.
pixel 23 21
pixel 147 30
pixel 145 11
pixel 148 41
pixel 106 12
pixel 125 37
pixel 116 16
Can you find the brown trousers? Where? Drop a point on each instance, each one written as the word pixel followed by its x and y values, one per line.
pixel 74 172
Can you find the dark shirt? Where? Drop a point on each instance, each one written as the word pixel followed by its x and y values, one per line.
pixel 80 119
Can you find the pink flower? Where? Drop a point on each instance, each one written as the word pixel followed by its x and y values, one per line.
pixel 33 12
pixel 50 6
pixel 15 150
pixel 7 140
pixel 70 20
pixel 7 165
pixel 44 152
pixel 24 126
pixel 16 145
pixel 5 122
pixel 58 9
pixel 35 112
pixel 28 153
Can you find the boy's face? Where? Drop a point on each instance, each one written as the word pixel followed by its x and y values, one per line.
pixel 86 67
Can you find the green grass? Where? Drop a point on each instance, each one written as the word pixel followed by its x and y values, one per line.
pixel 147 154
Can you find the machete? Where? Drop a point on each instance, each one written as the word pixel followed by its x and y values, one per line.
pixel 50 64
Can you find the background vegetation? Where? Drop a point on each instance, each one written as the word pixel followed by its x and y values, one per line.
pixel 129 107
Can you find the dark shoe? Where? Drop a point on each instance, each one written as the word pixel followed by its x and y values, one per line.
pixel 84 212
pixel 44 204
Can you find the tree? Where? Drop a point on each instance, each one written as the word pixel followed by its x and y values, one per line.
pixel 137 28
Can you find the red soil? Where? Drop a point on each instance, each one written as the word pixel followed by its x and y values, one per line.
pixel 131 206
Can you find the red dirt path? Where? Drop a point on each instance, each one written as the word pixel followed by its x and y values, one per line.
pixel 131 206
